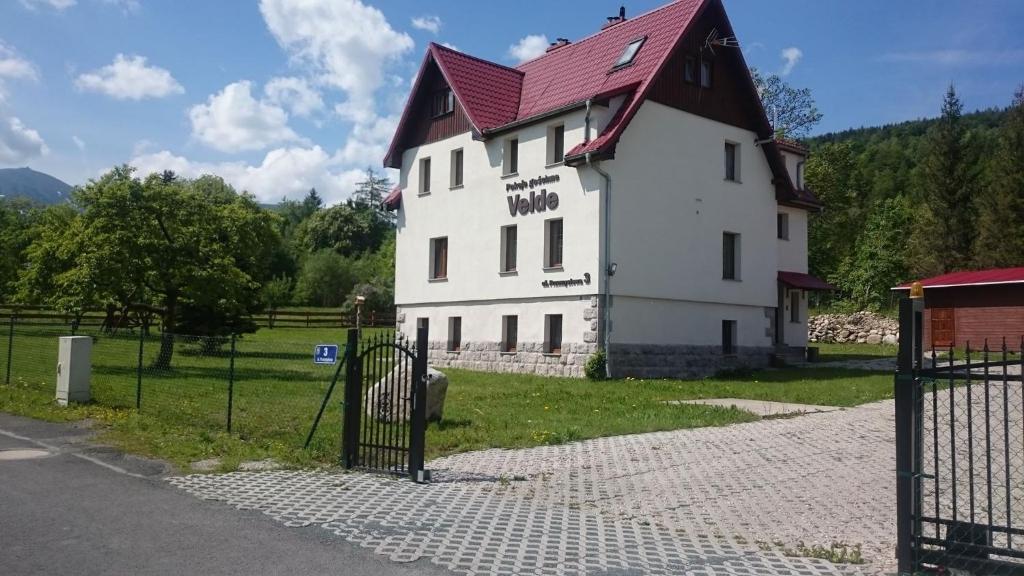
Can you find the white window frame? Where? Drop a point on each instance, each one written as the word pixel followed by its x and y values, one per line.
pixel 736 260
pixel 424 175
pixel 508 347
pixel 433 254
pixel 737 178
pixel 457 177
pixel 504 267
pixel 549 347
pixel 555 156
pixel 548 263
pixel 510 144
pixel 454 328
pixel 782 226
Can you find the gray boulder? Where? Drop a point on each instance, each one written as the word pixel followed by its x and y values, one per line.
pixel 390 399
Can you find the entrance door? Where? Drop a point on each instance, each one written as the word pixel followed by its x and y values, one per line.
pixel 943 328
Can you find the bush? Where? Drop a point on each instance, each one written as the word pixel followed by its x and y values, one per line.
pixel 326 279
pixel 597 365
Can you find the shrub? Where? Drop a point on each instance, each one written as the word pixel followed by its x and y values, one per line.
pixel 596 368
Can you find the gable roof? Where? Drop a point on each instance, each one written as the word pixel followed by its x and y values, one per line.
pixel 497 97
pixel 971 278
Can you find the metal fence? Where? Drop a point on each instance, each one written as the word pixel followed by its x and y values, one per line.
pixel 960 454
pixel 261 386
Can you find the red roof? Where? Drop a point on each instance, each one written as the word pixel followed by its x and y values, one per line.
pixel 496 96
pixel 393 200
pixel 803 281
pixel 971 278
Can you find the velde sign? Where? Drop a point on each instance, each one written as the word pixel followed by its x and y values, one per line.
pixel 538 200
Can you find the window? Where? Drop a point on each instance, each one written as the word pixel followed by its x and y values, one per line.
pixel 556 144
pixel 782 223
pixel 456 179
pixel 730 256
pixel 511 165
pixel 455 334
pixel 509 239
pixel 732 162
pixel 794 306
pixel 442 102
pixel 630 52
pixel 553 333
pixel 800 175
pixel 690 70
pixel 425 176
pixel 553 243
pixel 705 74
pixel 509 333
pixel 439 258
pixel 728 336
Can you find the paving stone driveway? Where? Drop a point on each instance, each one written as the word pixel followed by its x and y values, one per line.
pixel 699 502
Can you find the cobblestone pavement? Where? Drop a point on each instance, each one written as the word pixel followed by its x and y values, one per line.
pixel 699 502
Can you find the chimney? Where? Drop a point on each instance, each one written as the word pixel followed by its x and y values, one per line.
pixel 613 20
pixel 558 43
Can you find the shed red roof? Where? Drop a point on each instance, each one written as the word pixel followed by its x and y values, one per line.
pixel 971 278
pixel 803 281
pixel 496 96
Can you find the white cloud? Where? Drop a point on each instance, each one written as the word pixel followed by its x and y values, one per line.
pixel 283 172
pixel 295 94
pixel 126 6
pixel 447 45
pixel 344 43
pixel 18 143
pixel 431 24
pixel 791 56
pixel 368 142
pixel 55 4
pixel 129 78
pixel 233 121
pixel 528 48
pixel 957 57
pixel 79 143
pixel 14 66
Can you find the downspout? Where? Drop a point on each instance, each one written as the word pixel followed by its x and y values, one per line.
pixel 609 270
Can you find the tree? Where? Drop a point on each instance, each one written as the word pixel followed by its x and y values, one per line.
pixel 326 279
pixel 877 263
pixel 944 228
pixel 830 173
pixel 371 193
pixel 277 292
pixel 791 111
pixel 349 229
pixel 193 249
pixel 1000 241
pixel 17 217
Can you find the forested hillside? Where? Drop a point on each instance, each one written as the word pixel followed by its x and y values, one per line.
pixel 32 185
pixel 916 199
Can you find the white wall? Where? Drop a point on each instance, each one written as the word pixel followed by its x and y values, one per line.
pixel 671 204
pixel 674 322
pixel 472 216
pixel 792 253
pixel 795 333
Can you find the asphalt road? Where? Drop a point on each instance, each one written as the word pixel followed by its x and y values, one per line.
pixel 85 509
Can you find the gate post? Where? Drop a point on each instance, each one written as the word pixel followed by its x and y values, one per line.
pixel 908 362
pixel 418 428
pixel 353 402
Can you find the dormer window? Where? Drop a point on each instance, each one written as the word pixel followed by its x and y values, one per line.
pixel 443 102
pixel 630 52
pixel 705 74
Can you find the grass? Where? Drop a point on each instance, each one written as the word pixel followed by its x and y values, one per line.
pixel 836 352
pixel 278 390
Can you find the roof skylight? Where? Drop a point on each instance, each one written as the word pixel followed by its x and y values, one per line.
pixel 630 52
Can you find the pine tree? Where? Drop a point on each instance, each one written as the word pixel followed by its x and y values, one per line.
pixel 372 191
pixel 1000 240
pixel 944 228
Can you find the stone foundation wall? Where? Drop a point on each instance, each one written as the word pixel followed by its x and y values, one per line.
pixel 528 359
pixel 655 361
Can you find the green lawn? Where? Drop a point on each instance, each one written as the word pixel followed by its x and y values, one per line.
pixel 277 391
pixel 836 352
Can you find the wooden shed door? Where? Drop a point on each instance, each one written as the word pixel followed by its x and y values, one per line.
pixel 943 329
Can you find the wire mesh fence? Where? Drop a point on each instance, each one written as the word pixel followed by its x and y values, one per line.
pixel 970 468
pixel 263 386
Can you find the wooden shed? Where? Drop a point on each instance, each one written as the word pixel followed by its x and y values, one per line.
pixel 970 307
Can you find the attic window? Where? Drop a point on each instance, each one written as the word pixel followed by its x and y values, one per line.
pixel 442 103
pixel 630 52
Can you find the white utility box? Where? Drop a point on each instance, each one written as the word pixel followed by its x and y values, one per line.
pixel 74 369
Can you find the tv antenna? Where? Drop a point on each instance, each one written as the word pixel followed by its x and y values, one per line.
pixel 714 39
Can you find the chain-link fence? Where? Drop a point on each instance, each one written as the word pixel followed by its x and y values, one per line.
pixel 263 387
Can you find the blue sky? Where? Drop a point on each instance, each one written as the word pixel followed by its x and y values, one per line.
pixel 281 95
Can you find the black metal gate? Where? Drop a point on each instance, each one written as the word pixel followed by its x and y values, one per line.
pixel 385 404
pixel 959 454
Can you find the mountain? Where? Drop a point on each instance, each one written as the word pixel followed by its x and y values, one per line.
pixel 27 183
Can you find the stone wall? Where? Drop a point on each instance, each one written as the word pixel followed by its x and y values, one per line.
pixel 859 327
pixel 530 358
pixel 655 361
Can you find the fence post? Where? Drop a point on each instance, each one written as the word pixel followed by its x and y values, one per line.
pixel 10 348
pixel 907 363
pixel 231 381
pixel 138 372
pixel 418 428
pixel 352 403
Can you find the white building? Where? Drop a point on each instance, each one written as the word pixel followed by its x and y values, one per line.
pixel 623 192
